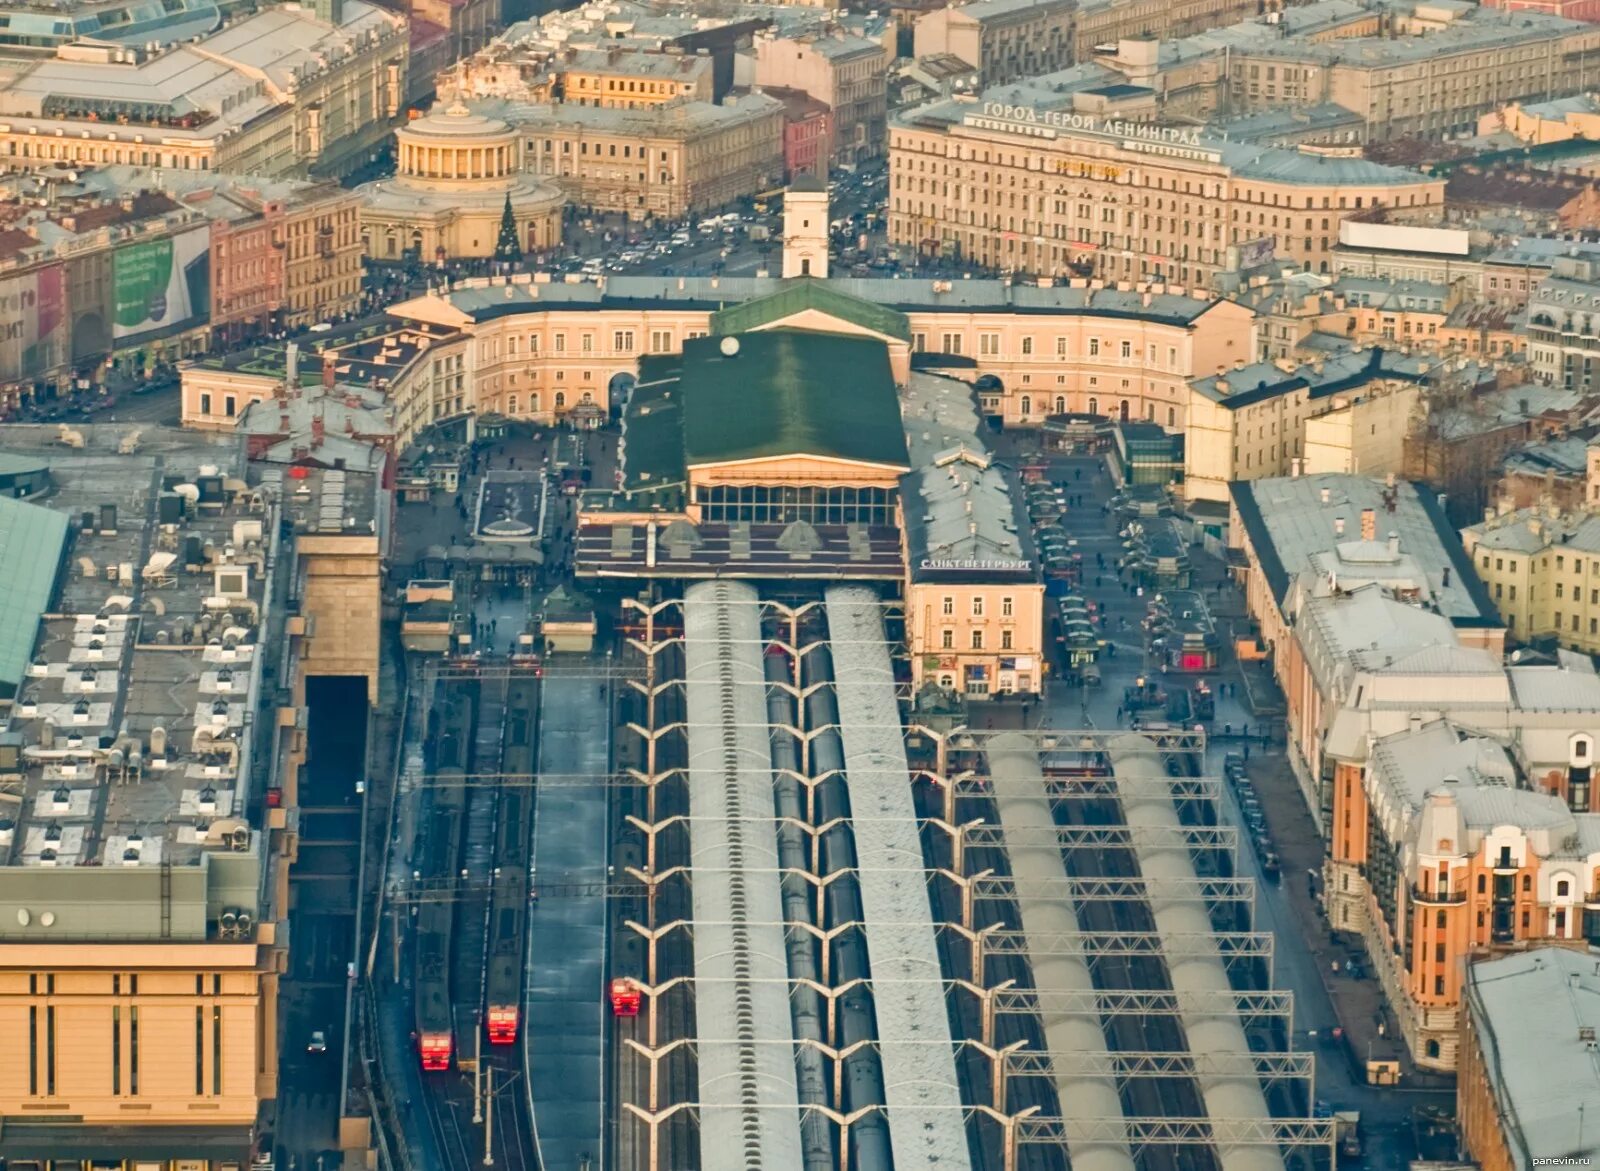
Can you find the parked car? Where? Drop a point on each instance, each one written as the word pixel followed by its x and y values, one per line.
pixel 1271 868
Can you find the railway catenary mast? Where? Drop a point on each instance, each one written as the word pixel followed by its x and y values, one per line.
pixel 1226 1095
pixel 748 1105
pixel 915 1060
pixel 1024 810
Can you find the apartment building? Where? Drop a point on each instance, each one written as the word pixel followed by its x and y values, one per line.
pixel 1563 323
pixel 667 161
pixel 847 73
pixel 543 348
pixel 1256 420
pixel 1527 1076
pixel 1041 189
pixel 616 79
pixel 1542 566
pixel 1458 861
pixel 1002 39
pixel 285 92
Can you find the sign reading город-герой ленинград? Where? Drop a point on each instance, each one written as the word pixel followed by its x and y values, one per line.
pixel 1036 123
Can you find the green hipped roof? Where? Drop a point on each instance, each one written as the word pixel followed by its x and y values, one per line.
pixel 791 393
pixel 32 540
pixel 804 293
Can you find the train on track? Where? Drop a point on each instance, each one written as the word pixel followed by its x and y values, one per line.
pixel 508 911
pixel 440 856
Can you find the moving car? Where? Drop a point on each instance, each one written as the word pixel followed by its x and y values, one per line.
pixel 319 1042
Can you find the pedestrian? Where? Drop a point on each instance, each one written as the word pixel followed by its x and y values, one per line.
pixel 1247 750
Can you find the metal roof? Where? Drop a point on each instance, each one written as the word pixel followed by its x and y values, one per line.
pixel 770 395
pixel 749 1105
pixel 914 1045
pixel 32 540
pixel 1530 1012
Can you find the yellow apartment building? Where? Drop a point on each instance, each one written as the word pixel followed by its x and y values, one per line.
pixel 1253 421
pixel 1542 567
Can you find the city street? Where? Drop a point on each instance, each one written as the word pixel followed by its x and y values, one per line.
pixel 1297 964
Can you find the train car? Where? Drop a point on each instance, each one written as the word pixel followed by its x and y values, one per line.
pixel 436 909
pixel 508 911
pixel 626 996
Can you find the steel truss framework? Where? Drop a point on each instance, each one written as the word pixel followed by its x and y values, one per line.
pixel 1071 761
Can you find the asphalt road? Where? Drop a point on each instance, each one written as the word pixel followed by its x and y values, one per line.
pixel 322 891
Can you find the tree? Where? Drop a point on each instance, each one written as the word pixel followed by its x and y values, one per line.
pixel 508 248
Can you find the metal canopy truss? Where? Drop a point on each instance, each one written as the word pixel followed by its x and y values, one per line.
pixel 1114 1002
pixel 1128 943
pixel 1211 890
pixel 1122 1064
pixel 1144 1132
pixel 1075 788
pixel 1089 837
pixel 1055 745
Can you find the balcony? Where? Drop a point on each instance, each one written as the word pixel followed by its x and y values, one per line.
pixel 1437 897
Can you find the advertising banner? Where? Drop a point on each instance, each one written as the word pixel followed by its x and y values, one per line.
pixel 33 334
pixel 161 285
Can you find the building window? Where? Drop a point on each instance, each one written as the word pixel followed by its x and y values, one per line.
pixel 1006 607
pixel 1027 405
pixel 1061 347
pixel 1005 639
pixel 1563 888
pixel 977 639
pixel 989 345
pixel 977 607
pixel 947 639
pixel 1127 350
pixel 561 343
pixel 947 605
pixel 1094 347
pixel 205 404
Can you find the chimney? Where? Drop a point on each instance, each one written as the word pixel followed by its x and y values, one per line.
pixel 291 366
pixel 1369 524
pixel 1416 721
pixel 1444 579
pixel 319 430
pixel 1338 526
pixel 1294 471
pixel 327 370
pixel 1394 544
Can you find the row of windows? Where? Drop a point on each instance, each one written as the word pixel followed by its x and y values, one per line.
pixel 947 639
pixel 947 606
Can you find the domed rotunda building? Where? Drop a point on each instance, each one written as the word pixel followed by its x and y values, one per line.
pixel 455 170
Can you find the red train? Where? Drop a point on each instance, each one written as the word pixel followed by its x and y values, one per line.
pixel 626 997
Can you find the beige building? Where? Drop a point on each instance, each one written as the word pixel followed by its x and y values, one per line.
pixel 286 91
pixel 455 173
pixel 538 349
pixel 847 73
pixel 1429 69
pixel 668 161
pixel 1253 421
pixel 1048 191
pixel 1539 123
pixel 1002 39
pixel 974 588
pixel 620 79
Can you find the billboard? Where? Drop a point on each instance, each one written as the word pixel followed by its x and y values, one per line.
pixel 161 285
pixel 1255 253
pixel 33 333
pixel 1405 238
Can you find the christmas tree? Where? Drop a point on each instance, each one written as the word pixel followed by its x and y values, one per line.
pixel 508 248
